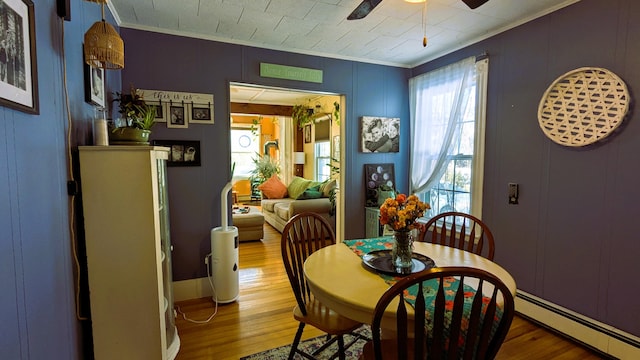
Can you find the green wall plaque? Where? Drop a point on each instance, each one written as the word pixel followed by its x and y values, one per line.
pixel 290 73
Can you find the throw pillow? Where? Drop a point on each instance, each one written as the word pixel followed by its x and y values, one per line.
pixel 297 186
pixel 311 193
pixel 273 188
pixel 326 187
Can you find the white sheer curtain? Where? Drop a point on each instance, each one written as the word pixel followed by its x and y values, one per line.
pixel 437 100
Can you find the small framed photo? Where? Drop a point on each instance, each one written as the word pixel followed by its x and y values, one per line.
pixel 307 134
pixel 159 108
pixel 94 85
pixel 201 114
pixel 177 117
pixel 18 63
pixel 183 152
pixel 335 147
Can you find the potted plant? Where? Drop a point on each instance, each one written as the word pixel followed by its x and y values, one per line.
pixel 137 119
pixel 265 168
pixel 301 115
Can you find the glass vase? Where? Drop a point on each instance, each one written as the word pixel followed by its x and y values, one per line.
pixel 402 252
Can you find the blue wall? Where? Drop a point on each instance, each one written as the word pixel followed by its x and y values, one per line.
pixel 37 301
pixel 573 238
pixel 165 62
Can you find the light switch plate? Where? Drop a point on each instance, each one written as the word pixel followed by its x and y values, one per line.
pixel 513 193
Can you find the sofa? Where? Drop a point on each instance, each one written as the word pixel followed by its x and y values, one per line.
pixel 281 202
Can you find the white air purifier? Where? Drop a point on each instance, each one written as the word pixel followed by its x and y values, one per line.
pixel 224 256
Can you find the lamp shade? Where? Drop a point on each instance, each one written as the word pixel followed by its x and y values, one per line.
pixel 103 47
pixel 298 158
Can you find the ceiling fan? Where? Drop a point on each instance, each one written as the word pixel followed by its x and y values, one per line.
pixel 366 6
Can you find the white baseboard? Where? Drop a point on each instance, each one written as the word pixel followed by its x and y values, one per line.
pixel 191 289
pixel 597 335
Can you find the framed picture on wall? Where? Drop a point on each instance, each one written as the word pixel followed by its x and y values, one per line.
pixel 201 114
pixel 94 85
pixel 18 63
pixel 377 175
pixel 183 152
pixel 177 117
pixel 160 110
pixel 307 134
pixel 380 134
pixel 335 147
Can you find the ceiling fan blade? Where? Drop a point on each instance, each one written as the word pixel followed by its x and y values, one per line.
pixel 474 3
pixel 363 9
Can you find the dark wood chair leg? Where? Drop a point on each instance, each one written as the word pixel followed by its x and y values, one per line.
pixel 296 341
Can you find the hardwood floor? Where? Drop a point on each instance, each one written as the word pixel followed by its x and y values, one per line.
pixel 262 317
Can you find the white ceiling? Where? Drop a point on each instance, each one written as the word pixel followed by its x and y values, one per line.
pixel 390 35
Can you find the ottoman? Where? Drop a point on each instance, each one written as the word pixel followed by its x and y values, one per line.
pixel 249 221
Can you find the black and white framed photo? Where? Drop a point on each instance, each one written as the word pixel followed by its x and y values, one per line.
pixel 177 118
pixel 94 85
pixel 159 109
pixel 18 63
pixel 183 152
pixel 380 134
pixel 307 134
pixel 201 114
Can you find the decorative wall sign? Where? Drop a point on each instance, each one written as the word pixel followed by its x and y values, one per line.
pixel 375 176
pixel 194 108
pixel 290 73
pixel 183 153
pixel 18 64
pixel 380 134
pixel 583 106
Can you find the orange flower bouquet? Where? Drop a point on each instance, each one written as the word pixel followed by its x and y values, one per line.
pixel 402 212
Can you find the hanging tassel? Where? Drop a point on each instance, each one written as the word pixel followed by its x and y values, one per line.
pixel 424 24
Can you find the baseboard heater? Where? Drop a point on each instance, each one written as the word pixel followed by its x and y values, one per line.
pixel 598 336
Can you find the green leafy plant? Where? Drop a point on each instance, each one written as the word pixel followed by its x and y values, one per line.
pixel 265 167
pixel 133 108
pixel 336 112
pixel 301 115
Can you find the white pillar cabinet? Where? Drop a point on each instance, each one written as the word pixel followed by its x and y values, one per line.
pixel 126 223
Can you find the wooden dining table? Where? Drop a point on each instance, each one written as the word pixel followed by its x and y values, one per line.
pixel 337 277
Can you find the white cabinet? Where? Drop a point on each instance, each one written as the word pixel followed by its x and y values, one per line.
pixel 126 223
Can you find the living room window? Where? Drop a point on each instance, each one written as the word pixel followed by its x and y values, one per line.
pixel 447 127
pixel 244 147
pixel 323 159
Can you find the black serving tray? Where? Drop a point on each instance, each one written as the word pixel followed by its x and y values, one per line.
pixel 380 261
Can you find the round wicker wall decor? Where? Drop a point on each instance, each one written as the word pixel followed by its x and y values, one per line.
pixel 583 106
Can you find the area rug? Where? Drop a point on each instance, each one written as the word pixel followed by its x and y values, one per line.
pixel 308 346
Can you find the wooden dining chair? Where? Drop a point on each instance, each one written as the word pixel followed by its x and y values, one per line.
pixel 302 235
pixel 462 231
pixel 451 320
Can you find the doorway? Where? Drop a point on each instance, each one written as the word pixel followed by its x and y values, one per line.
pixel 312 151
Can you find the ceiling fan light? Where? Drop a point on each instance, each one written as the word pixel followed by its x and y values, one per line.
pixel 103 46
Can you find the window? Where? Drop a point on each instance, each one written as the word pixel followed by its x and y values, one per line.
pixel 244 146
pixel 323 160
pixel 447 125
